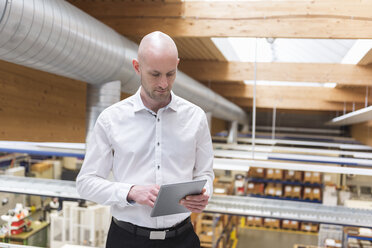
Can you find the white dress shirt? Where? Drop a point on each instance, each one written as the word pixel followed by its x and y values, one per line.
pixel 141 147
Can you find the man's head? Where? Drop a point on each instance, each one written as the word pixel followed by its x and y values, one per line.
pixel 157 66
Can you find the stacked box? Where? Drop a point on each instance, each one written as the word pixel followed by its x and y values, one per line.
pixel 316 177
pixel 290 224
pixel 294 225
pixel 308 193
pixel 291 175
pixel 270 189
pixel 316 194
pixel 271 223
pixel 258 221
pixel 286 224
pixel 309 227
pixel 221 189
pixel 278 174
pixel 270 174
pixel 256 172
pixel 250 221
pixel 278 190
pixel 288 191
pixel 296 192
pixel 308 177
pixel 255 188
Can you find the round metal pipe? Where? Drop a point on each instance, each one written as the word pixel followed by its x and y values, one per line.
pixel 56 37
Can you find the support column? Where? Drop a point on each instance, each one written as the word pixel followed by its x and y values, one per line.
pixel 232 138
pixel 100 97
pixel 209 119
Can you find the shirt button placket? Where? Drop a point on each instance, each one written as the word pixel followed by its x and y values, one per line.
pixel 158 150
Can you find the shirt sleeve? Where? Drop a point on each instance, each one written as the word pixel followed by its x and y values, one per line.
pixel 204 155
pixel 92 183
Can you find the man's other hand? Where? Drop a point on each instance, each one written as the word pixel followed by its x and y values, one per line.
pixel 145 195
pixel 195 203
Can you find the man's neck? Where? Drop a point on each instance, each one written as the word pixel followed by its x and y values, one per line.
pixel 152 104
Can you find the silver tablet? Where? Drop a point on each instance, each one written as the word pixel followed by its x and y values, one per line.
pixel 170 195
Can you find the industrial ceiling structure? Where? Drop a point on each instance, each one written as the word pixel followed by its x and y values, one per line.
pixel 304 55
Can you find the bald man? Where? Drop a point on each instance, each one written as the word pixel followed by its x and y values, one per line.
pixel 151 138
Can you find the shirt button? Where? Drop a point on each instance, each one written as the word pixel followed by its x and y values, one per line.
pixel 158 119
pixel 158 167
pixel 158 144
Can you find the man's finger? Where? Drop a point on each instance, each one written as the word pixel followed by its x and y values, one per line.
pixel 197 198
pixel 195 205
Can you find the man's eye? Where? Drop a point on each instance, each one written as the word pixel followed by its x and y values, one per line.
pixel 170 74
pixel 155 75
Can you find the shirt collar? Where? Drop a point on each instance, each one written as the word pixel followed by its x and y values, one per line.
pixel 138 103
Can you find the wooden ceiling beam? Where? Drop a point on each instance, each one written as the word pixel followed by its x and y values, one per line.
pixel 228 9
pixel 341 74
pixel 310 28
pixel 277 19
pixel 295 104
pixel 367 59
pixel 285 92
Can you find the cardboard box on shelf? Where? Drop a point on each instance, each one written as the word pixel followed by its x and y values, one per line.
pixel 294 225
pixel 43 170
pixel 296 192
pixel 256 172
pixel 278 174
pixel 221 189
pixel 271 223
pixel 316 194
pixel 267 222
pixel 278 190
pixel 258 221
pixel 288 191
pixel 309 227
pixel 270 189
pixel 270 174
pixel 308 194
pixel 250 221
pixel 286 224
pixel 290 225
pixel 308 177
pixel 255 188
pixel 291 175
pixel 223 186
pixel 316 177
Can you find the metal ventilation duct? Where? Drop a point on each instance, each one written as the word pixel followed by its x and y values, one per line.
pixel 56 37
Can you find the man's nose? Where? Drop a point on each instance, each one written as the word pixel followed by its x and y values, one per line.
pixel 163 82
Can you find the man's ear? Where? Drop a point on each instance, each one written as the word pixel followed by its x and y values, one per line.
pixel 136 66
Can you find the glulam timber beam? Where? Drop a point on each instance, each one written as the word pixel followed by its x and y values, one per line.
pixel 342 74
pixel 292 92
pixel 278 19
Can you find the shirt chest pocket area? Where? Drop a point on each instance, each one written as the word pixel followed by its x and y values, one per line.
pixel 181 149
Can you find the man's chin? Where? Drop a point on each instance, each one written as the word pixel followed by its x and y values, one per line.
pixel 161 96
